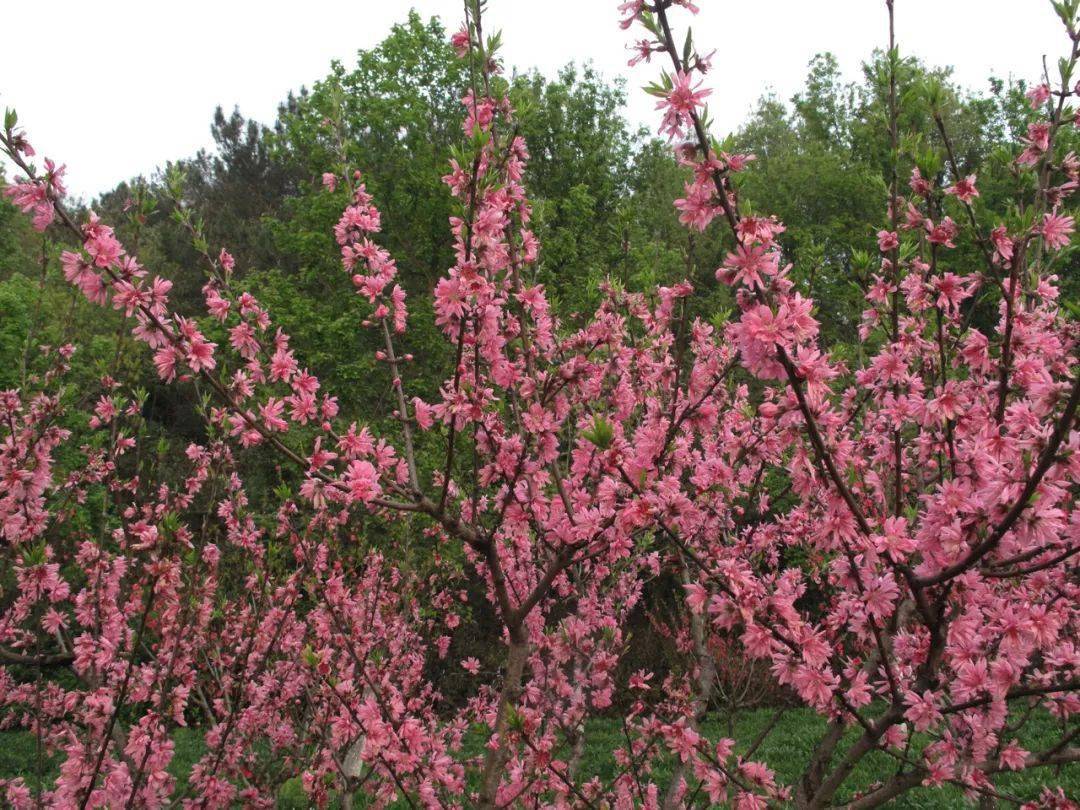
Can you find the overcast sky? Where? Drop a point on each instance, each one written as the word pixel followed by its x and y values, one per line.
pixel 114 88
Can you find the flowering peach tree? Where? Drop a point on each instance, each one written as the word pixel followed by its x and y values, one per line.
pixel 912 577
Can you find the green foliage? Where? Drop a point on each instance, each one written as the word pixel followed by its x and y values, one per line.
pixel 824 167
pixel 17 239
pixel 812 181
pixel 579 147
pixel 16 302
pixel 600 434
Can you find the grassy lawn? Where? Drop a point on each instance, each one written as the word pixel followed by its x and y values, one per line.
pixel 785 750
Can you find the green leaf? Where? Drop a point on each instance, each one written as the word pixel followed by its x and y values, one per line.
pixel 514 720
pixel 934 93
pixel 170 524
pixel 1073 308
pixel 601 434
pixel 862 262
pixel 648 20
pixel 35 554
pixel 720 318
pixel 1065 68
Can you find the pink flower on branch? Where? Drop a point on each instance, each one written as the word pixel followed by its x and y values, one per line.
pixel 682 101
pixel 964 190
pixel 1057 230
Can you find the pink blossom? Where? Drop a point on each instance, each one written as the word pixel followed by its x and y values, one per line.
pixel 1057 230
pixel 226 260
pixel 943 233
pixel 200 354
pixel 643 51
pixel 460 42
pixel 1038 95
pixel 1013 757
pixel 887 240
pixel 1003 245
pixel 1035 144
pixel 748 264
pixel 682 101
pixel 964 189
pixel 696 208
pixel 919 184
pixel 362 481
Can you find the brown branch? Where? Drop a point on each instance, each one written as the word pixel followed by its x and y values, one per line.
pixel 55 660
pixel 1013 694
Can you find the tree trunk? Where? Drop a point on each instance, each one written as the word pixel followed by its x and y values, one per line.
pixel 577 734
pixel 495 758
pixel 353 765
pixel 706 681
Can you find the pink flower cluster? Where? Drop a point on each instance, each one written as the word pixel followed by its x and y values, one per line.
pixel 890 539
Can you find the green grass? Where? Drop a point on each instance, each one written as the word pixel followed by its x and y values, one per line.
pixel 785 750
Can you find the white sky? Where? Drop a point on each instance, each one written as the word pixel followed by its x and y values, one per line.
pixel 114 88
